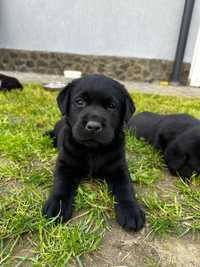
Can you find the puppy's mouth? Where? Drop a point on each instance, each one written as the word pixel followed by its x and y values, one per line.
pixel 92 140
pixel 89 142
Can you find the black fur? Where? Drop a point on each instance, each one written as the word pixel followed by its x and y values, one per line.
pixel 182 155
pixel 176 135
pixel 90 140
pixel 8 83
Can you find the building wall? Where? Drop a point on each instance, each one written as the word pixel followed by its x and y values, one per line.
pixel 125 28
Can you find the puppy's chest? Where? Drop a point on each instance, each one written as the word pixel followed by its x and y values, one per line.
pixel 96 164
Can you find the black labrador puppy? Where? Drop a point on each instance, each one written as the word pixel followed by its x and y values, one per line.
pixel 90 140
pixel 8 83
pixel 176 135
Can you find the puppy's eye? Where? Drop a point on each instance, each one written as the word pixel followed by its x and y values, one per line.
pixel 80 102
pixel 111 106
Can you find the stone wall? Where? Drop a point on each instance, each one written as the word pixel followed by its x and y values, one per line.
pixel 125 69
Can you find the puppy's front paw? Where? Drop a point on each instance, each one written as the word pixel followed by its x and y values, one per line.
pixel 57 207
pixel 130 215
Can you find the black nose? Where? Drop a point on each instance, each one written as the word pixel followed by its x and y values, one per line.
pixel 93 126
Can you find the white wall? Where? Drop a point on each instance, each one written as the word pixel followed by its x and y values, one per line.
pixel 133 28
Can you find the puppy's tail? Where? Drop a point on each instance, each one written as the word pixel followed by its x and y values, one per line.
pixel 52 135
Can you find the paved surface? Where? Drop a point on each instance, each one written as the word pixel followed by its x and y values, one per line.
pixel 151 88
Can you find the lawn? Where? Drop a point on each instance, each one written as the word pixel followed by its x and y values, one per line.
pixel 27 159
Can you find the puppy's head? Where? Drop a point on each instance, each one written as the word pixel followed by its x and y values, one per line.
pixel 183 154
pixel 96 107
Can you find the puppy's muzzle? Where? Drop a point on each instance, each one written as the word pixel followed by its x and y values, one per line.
pixel 93 126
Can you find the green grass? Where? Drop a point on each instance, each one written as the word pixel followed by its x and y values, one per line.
pixel 26 165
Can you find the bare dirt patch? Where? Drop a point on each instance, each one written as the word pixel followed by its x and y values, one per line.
pixel 122 249
pixel 145 249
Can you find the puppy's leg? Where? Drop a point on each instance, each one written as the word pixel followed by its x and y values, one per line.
pixel 185 173
pixel 60 201
pixel 129 213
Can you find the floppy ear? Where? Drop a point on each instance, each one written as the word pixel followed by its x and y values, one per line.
pixel 63 98
pixel 130 108
pixel 129 105
pixel 174 157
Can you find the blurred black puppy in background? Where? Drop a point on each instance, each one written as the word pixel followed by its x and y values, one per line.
pixel 176 135
pixel 8 83
pixel 90 140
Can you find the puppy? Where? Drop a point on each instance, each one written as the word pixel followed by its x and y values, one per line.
pixel 90 140
pixel 8 83
pixel 172 135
